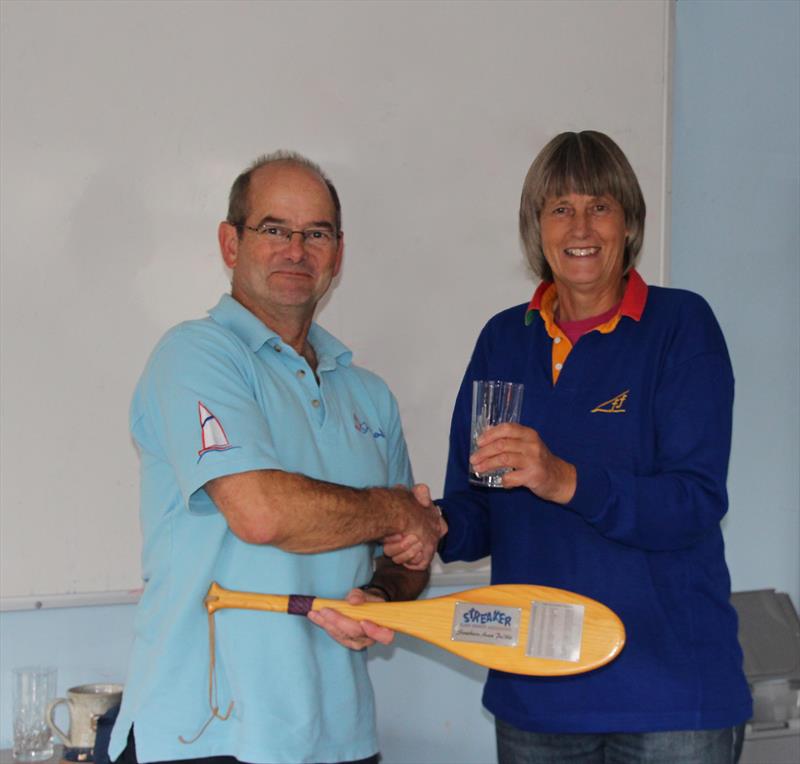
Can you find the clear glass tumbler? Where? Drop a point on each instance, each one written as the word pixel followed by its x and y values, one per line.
pixel 34 687
pixel 493 402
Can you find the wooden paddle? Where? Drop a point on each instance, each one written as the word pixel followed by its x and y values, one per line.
pixel 489 626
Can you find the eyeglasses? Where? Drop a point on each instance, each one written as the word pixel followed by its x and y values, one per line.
pixel 280 235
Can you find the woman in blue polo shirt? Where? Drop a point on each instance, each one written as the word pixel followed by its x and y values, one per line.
pixel 618 478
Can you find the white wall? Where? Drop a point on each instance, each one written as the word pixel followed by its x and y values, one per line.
pixel 124 124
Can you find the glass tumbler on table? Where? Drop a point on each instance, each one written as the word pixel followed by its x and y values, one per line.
pixel 34 687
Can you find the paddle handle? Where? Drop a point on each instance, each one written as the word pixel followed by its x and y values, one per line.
pixel 219 598
pixel 387 614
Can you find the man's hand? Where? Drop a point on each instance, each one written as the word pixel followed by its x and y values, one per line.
pixel 534 465
pixel 348 632
pixel 408 549
pixel 422 493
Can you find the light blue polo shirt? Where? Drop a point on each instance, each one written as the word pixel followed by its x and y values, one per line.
pixel 219 396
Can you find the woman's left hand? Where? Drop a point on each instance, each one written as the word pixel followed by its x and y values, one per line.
pixel 534 465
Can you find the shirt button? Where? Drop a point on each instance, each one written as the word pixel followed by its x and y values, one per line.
pixel 301 373
pixel 315 403
pixel 277 348
pixel 557 340
pixel 559 366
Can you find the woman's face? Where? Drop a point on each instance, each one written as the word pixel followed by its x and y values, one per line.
pixel 583 239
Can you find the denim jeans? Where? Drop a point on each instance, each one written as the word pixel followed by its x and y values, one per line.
pixel 516 746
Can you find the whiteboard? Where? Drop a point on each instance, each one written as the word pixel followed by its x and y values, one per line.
pixel 123 126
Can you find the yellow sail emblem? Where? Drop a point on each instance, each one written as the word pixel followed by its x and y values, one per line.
pixel 614 406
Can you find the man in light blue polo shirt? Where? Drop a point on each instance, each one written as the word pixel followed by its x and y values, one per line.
pixel 269 462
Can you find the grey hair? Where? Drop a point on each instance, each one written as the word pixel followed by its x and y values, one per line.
pixel 588 163
pixel 239 197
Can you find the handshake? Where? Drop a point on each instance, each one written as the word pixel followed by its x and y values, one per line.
pixel 415 546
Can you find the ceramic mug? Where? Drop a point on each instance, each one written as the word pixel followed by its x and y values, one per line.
pixel 86 704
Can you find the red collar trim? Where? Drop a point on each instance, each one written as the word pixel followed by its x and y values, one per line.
pixel 633 300
pixel 635 297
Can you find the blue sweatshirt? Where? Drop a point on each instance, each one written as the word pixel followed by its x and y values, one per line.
pixel 643 411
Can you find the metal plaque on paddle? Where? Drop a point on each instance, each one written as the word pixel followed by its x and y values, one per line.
pixel 555 631
pixel 488 624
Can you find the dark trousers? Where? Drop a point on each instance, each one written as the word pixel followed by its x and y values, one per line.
pixel 128 756
pixel 718 746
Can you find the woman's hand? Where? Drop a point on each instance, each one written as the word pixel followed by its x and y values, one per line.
pixel 534 465
pixel 407 549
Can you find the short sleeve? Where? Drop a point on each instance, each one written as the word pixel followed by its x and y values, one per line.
pixel 196 409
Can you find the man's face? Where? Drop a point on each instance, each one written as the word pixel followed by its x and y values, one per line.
pixel 275 279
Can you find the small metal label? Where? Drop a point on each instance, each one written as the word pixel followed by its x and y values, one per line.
pixel 555 631
pixel 488 624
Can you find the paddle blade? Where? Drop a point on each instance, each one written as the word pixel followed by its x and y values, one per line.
pixel 521 629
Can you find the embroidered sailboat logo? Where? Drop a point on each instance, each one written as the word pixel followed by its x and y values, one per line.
pixel 613 406
pixel 213 435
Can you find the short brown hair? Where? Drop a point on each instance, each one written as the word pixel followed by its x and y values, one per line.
pixel 239 197
pixel 588 163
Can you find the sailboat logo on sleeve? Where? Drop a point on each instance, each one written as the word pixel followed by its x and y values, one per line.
pixel 212 432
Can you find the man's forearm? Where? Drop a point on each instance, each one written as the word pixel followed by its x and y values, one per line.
pixel 303 515
pixel 397 582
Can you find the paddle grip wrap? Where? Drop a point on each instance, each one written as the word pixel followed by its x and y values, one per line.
pixel 299 604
